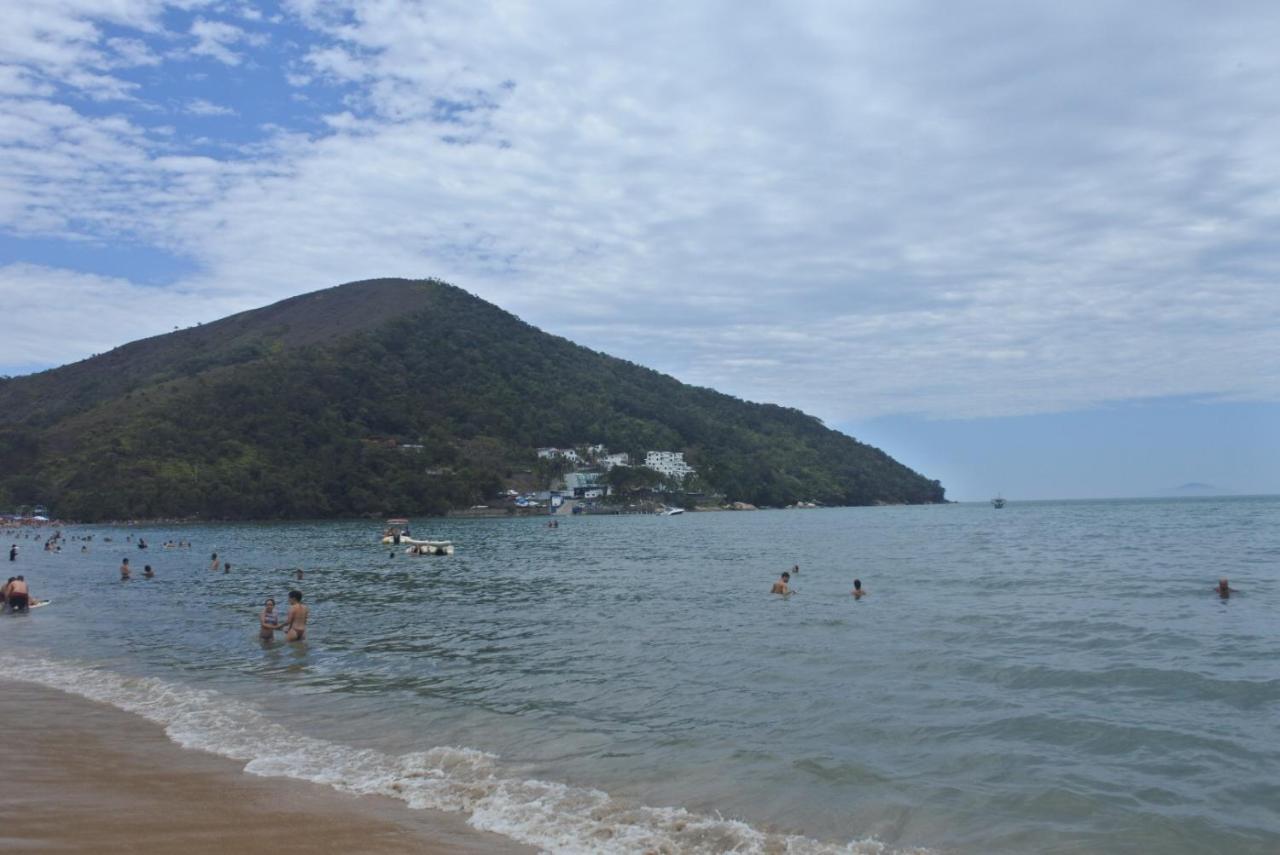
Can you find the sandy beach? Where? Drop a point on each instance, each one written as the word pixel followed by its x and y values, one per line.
pixel 78 776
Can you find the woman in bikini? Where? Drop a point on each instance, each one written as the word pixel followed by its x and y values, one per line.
pixel 268 621
pixel 296 630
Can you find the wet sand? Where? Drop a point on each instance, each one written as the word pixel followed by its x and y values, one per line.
pixel 79 776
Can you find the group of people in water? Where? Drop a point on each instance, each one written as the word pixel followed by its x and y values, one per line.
pixel 783 585
pixel 15 594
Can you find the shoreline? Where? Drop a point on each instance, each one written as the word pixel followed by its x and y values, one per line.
pixel 81 776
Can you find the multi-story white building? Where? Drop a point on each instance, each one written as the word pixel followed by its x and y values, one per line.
pixel 669 463
pixel 611 460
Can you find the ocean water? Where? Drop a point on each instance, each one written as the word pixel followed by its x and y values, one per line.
pixel 1050 677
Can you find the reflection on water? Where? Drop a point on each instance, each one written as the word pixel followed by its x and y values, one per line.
pixel 1049 675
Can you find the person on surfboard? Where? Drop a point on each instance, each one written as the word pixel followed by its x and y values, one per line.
pixel 19 595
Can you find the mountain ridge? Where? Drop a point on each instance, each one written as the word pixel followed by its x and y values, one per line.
pixel 279 412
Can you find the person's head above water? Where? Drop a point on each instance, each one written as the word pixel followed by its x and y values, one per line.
pixel 857 584
pixel 786 575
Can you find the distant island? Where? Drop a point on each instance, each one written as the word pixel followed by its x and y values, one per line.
pixel 396 396
pixel 1193 487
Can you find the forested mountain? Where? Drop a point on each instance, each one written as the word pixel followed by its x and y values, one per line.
pixel 303 409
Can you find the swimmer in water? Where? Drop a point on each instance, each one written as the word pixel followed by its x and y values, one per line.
pixel 782 586
pixel 1224 588
pixel 124 570
pixel 858 592
pixel 148 573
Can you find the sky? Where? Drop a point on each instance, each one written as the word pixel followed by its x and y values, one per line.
pixel 1027 248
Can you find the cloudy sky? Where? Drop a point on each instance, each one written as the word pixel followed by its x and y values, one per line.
pixel 1026 247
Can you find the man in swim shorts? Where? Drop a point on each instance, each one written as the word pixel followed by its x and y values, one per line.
pixel 124 570
pixel 19 595
pixel 296 621
pixel 782 585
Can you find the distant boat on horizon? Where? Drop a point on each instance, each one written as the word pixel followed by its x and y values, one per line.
pixel 997 502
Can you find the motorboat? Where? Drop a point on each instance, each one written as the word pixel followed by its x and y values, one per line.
pixel 670 512
pixel 427 547
pixel 396 532
pixel 997 503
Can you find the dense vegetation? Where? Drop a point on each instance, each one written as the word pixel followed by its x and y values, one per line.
pixel 301 409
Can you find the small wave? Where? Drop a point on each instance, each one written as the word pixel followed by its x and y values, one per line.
pixel 554 817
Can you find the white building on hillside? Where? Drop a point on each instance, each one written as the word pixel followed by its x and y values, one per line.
pixel 669 463
pixel 562 453
pixel 611 460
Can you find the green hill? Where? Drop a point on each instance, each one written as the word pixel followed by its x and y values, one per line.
pixel 303 409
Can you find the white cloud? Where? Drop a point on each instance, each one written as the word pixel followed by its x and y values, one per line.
pixel 56 316
pixel 214 40
pixel 131 53
pixel 860 210
pixel 201 107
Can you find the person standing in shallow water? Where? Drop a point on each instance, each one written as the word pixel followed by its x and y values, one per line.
pixel 268 621
pixel 214 563
pixel 124 570
pixel 782 586
pixel 1224 588
pixel 296 626
pixel 858 591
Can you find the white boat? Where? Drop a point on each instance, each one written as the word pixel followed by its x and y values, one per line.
pixel 396 532
pixel 671 512
pixel 427 547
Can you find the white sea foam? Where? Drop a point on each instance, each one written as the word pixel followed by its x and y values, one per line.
pixel 548 815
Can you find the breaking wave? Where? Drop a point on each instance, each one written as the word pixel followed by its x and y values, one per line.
pixel 552 816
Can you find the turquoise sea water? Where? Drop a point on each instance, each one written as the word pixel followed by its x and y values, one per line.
pixel 1050 677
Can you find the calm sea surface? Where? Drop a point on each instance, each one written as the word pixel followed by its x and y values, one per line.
pixel 1050 677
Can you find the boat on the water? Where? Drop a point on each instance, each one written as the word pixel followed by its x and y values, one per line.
pixel 396 531
pixel 997 503
pixel 427 547
pixel 670 512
